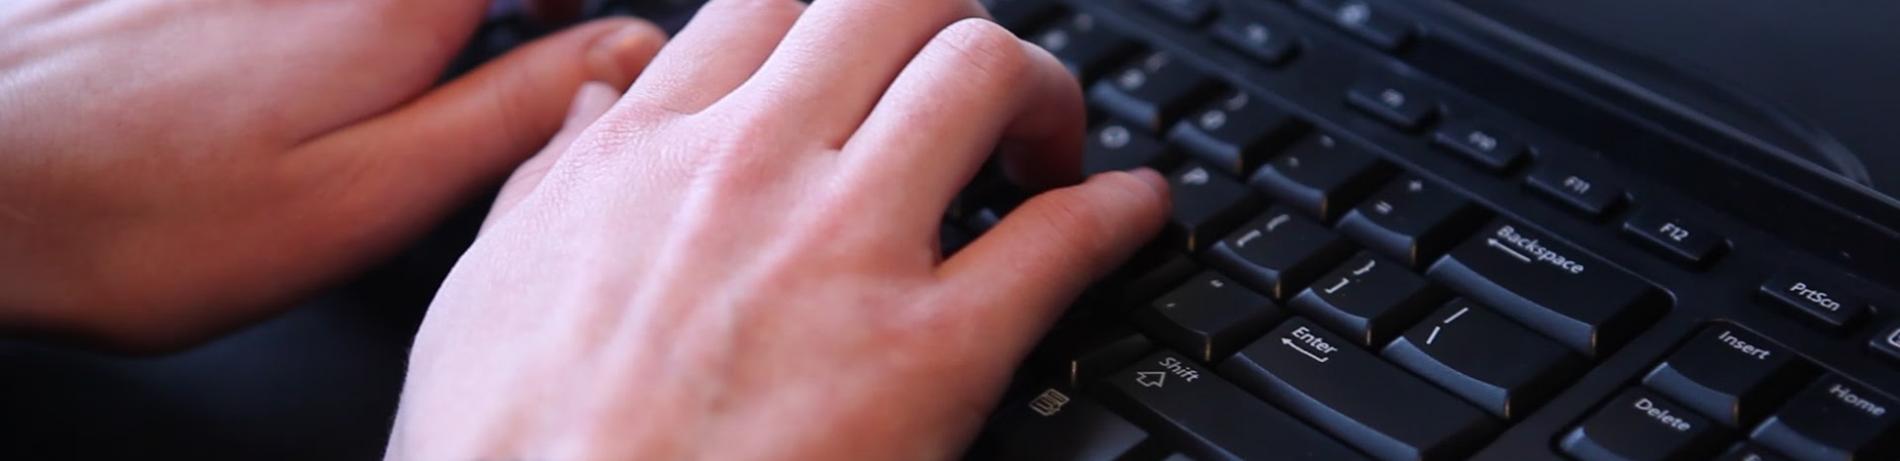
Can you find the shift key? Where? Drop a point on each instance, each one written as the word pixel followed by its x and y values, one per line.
pixel 1551 287
pixel 1210 418
pixel 1352 394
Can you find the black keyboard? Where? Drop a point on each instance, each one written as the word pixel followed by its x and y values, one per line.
pixel 1365 262
pixel 1368 260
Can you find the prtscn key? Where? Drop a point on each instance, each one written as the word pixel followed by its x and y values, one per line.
pixel 1817 299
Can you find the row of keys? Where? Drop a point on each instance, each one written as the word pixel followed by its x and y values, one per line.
pixel 1727 379
pixel 1580 189
pixel 1374 26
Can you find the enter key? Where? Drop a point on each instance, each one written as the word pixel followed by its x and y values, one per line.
pixel 1353 395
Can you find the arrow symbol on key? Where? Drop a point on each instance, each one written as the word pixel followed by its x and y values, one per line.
pixel 1289 343
pixel 1151 378
pixel 1500 246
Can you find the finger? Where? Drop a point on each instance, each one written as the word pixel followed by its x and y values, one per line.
pixel 874 38
pixel 593 100
pixel 1019 275
pixel 975 83
pixel 411 164
pixel 721 48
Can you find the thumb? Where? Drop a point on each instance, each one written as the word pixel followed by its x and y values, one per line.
pixel 1033 263
pixel 417 161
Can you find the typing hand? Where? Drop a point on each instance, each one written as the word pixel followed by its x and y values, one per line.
pixel 172 169
pixel 737 260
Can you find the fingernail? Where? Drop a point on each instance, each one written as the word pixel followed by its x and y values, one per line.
pixel 1153 178
pixel 618 57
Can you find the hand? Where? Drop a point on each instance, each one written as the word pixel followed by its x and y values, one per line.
pixel 738 260
pixel 173 169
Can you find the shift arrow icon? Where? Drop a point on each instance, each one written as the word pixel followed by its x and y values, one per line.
pixel 1151 378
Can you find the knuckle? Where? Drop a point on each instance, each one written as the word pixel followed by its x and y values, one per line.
pixel 986 48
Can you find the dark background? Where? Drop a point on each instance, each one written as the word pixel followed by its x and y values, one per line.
pixel 321 382
pixel 1835 64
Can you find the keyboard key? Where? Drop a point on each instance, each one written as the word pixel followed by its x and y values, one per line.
pixel 1367 299
pixel 1256 36
pixel 1211 419
pixel 1363 21
pixel 1353 395
pixel 1668 234
pixel 1150 92
pixel 1278 252
pixel 1087 351
pixel 1833 419
pixel 1115 146
pixel 1207 204
pixel 1057 425
pixel 1410 220
pixel 1085 47
pixel 1584 190
pixel 1403 108
pixel 1638 425
pixel 1887 343
pixel 1489 360
pixel 1728 374
pixel 1187 12
pixel 1321 176
pixel 1551 287
pixel 1167 272
pixel 1749 452
pixel 1815 299
pixel 1237 132
pixel 1496 152
pixel 1207 317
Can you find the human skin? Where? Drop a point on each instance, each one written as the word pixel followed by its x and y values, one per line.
pixel 172 170
pixel 738 259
